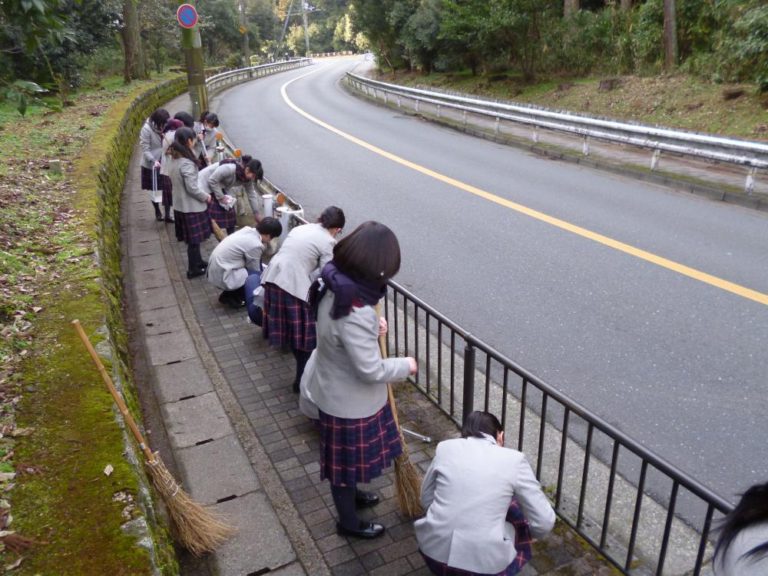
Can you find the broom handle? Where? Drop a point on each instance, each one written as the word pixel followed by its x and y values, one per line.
pixel 115 394
pixel 383 350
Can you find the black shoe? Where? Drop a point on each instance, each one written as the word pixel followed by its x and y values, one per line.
pixel 159 217
pixel 366 499
pixel 195 273
pixel 367 530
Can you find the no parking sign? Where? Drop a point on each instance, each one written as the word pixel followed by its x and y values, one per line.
pixel 187 16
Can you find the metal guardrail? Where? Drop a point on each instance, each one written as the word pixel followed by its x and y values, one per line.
pixel 753 155
pixel 227 79
pixel 576 453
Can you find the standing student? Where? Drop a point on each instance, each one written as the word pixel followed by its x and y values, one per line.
pixel 206 129
pixel 347 377
pixel 168 134
pixel 189 201
pixel 150 141
pixel 477 495
pixel 289 322
pixel 238 256
pixel 222 178
pixel 742 546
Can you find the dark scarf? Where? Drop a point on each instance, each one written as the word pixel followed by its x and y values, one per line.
pixel 348 291
pixel 239 169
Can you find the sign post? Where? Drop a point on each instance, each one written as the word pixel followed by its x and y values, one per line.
pixel 191 44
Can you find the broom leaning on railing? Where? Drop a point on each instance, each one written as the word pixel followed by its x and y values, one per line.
pixel 407 476
pixel 195 527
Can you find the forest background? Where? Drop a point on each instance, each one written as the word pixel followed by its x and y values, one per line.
pixel 69 69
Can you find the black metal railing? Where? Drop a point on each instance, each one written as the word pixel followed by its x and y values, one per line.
pixel 643 514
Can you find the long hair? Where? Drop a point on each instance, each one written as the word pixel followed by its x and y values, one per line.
pixel 751 509
pixel 179 148
pixel 479 423
pixel 370 254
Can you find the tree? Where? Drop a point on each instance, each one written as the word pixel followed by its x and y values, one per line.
pixel 462 28
pixel 570 7
pixel 134 68
pixel 420 35
pixel 670 35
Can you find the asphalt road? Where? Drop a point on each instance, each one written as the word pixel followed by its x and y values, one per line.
pixel 678 363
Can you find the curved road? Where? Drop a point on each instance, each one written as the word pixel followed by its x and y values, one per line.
pixel 647 306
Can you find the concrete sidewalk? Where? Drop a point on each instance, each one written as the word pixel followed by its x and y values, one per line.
pixel 219 407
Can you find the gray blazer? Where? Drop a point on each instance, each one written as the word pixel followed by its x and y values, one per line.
pixel 187 196
pixel 346 376
pixel 230 261
pixel 219 179
pixel 302 255
pixel 466 493
pixel 151 145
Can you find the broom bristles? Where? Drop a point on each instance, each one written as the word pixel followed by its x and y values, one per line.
pixel 197 528
pixel 408 487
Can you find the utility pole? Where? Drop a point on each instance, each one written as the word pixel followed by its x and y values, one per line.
pixel 192 46
pixel 244 32
pixel 306 28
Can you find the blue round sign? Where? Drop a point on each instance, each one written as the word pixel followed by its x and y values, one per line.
pixel 187 16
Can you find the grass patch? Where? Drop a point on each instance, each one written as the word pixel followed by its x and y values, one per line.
pixel 61 497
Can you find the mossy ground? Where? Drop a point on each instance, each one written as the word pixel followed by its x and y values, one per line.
pixel 60 498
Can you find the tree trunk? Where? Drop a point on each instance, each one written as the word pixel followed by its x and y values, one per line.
pixel 570 7
pixel 670 35
pixel 626 5
pixel 133 68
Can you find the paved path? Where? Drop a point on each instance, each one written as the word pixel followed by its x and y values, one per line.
pixel 219 407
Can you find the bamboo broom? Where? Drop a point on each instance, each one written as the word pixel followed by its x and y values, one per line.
pixel 407 476
pixel 195 527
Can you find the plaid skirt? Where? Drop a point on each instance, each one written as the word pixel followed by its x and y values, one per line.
pixel 357 450
pixel 146 178
pixel 523 540
pixel 167 186
pixel 194 227
pixel 226 219
pixel 288 321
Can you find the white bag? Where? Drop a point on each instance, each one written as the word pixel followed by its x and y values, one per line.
pixel 306 405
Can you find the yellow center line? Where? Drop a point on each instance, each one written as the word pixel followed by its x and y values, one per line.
pixel 732 287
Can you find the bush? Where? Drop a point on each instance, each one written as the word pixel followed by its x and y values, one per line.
pixel 743 54
pixel 104 62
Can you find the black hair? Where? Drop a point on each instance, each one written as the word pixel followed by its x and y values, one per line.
pixel 185 117
pixel 179 148
pixel 158 118
pixel 211 118
pixel 370 254
pixel 332 217
pixel 270 226
pixel 203 114
pixel 479 423
pixel 254 166
pixel 751 509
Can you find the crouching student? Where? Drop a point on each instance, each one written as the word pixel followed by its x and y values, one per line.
pixel 478 496
pixel 237 257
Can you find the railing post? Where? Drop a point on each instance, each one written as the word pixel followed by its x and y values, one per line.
pixel 749 185
pixel 655 159
pixel 468 398
pixel 585 146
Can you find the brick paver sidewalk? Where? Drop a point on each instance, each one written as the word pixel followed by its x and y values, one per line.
pixel 260 380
